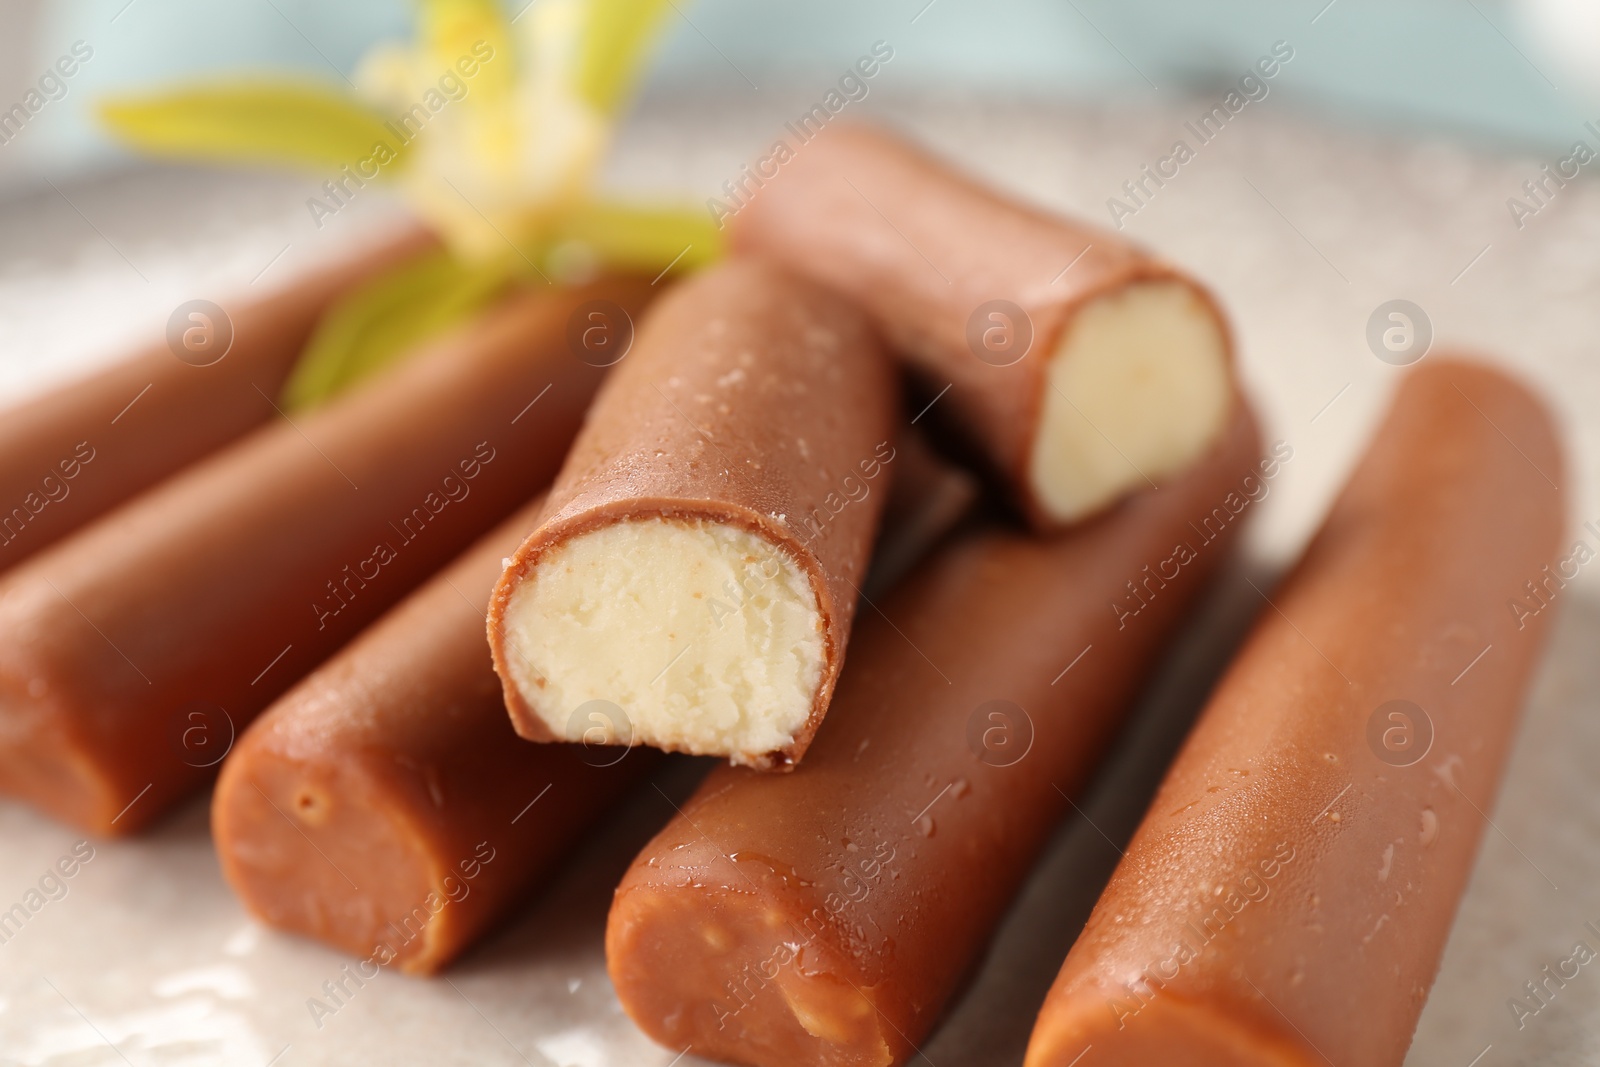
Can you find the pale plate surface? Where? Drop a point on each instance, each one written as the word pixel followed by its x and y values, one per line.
pixel 1302 229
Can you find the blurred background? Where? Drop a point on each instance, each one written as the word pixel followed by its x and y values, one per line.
pixel 1439 152
pixel 1385 160
pixel 1513 74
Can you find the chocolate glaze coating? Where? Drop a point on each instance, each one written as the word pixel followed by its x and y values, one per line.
pixel 131 652
pixel 1287 899
pixel 394 765
pixel 384 805
pixel 143 418
pixel 922 247
pixel 827 916
pixel 928 497
pixel 749 398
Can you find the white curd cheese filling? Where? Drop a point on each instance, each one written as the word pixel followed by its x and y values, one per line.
pixel 1137 388
pixel 707 636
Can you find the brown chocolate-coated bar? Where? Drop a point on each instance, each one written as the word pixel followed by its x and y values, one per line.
pixel 1287 899
pixel 827 916
pixel 131 652
pixel 76 452
pixel 927 499
pixel 384 804
pixel 700 561
pixel 1081 366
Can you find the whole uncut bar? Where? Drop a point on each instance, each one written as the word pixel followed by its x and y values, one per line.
pixel 1287 899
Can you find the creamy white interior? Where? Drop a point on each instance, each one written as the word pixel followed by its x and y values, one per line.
pixel 1137 387
pixel 707 636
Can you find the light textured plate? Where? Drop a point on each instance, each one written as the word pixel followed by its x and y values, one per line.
pixel 1302 229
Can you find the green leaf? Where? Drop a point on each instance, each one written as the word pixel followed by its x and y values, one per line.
pixel 643 238
pixel 616 36
pixel 386 319
pixel 262 120
pixel 393 314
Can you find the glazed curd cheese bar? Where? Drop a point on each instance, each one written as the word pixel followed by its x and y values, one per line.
pixel 700 561
pixel 928 497
pixel 77 451
pixel 1288 897
pixel 385 806
pixel 132 652
pixel 1080 366
pixel 825 917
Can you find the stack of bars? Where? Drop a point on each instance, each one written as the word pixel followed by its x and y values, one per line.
pixel 736 543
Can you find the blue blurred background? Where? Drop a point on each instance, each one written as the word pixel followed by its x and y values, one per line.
pixel 1523 74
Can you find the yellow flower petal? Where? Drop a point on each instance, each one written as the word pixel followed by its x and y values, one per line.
pixel 450 31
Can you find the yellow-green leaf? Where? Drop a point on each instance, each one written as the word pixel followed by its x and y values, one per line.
pixel 298 123
pixel 616 38
pixel 643 238
pixel 386 319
